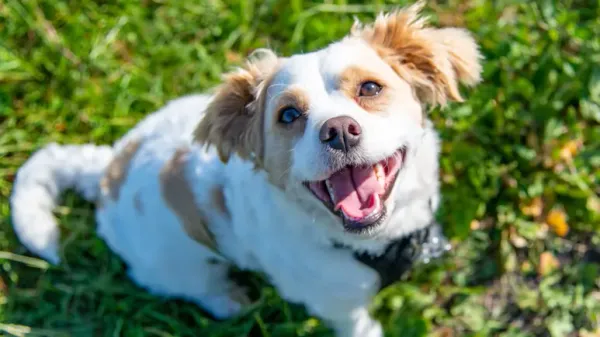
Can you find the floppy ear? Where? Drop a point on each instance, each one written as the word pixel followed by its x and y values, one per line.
pixel 233 120
pixel 434 61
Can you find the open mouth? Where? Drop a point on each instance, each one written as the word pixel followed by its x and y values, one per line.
pixel 358 193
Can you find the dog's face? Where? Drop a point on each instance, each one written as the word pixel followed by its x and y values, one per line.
pixel 334 128
pixel 338 124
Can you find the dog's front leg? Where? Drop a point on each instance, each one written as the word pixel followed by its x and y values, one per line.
pixel 346 312
pixel 332 285
pixel 358 323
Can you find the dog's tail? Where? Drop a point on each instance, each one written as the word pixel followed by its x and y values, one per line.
pixel 39 183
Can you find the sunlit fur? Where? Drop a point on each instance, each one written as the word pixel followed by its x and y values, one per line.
pixel 245 172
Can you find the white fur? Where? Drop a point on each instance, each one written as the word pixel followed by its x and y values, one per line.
pixel 39 183
pixel 267 231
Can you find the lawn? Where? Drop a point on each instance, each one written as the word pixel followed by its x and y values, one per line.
pixel 520 161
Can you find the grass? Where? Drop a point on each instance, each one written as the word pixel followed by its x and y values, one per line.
pixel 520 162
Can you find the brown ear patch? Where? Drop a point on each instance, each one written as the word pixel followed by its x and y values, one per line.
pixel 233 120
pixel 229 122
pixel 177 194
pixel 433 61
pixel 117 169
pixel 463 53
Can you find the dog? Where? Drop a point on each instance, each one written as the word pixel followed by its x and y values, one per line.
pixel 314 169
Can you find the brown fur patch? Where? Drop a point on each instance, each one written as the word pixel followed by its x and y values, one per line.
pixel 349 84
pixel 279 159
pixel 292 97
pixel 178 196
pixel 233 120
pixel 432 64
pixel 296 98
pixel 463 53
pixel 218 199
pixel 117 169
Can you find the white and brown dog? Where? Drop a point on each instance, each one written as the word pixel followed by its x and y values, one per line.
pixel 289 160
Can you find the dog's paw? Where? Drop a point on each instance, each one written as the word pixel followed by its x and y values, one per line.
pixel 374 330
pixel 361 326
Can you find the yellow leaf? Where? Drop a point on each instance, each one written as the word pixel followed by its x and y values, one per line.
pixel 534 208
pixel 557 220
pixel 569 150
pixel 548 263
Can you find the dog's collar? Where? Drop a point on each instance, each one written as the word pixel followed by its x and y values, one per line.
pixel 400 255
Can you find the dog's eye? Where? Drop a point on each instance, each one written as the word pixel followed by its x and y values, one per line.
pixel 289 115
pixel 368 89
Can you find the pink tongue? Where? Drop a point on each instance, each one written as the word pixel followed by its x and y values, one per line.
pixel 354 191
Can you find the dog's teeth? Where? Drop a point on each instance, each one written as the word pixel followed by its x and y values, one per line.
pixel 379 173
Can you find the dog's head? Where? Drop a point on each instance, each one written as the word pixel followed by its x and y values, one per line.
pixel 334 128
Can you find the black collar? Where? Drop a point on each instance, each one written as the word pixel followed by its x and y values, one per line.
pixel 402 254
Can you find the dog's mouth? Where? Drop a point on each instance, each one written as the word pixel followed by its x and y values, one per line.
pixel 357 194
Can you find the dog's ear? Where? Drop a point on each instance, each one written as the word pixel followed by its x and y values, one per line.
pixel 233 120
pixel 434 61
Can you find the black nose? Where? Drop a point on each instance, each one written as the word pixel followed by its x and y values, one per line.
pixel 340 133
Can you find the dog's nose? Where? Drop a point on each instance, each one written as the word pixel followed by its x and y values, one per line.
pixel 340 133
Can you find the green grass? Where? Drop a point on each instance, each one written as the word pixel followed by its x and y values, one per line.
pixel 523 152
